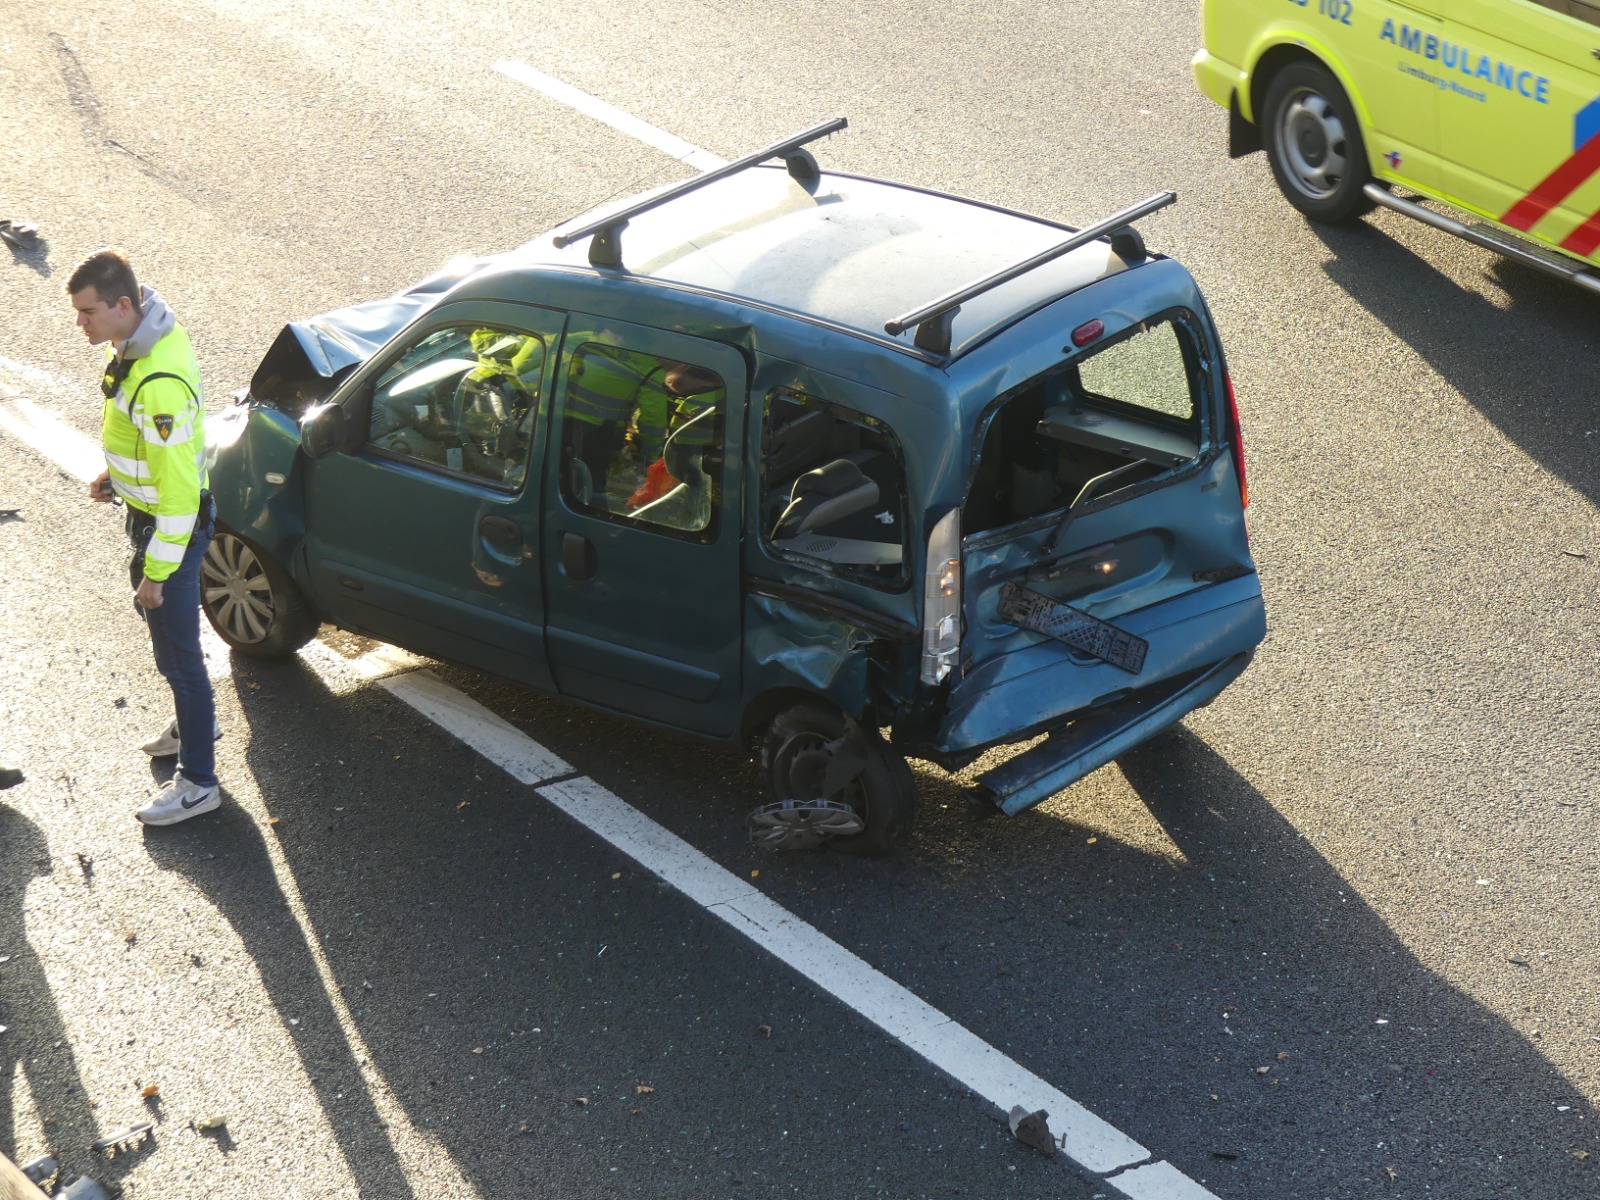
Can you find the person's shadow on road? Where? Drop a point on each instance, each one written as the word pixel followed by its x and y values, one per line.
pixel 34 1043
pixel 225 857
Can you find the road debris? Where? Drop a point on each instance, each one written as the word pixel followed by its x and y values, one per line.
pixel 206 1124
pixel 21 234
pixel 1032 1128
pixel 123 1139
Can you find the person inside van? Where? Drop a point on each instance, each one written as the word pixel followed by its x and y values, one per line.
pixel 693 430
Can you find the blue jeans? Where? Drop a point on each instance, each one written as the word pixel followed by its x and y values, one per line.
pixel 175 638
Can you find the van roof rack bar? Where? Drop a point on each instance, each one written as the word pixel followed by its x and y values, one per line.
pixel 606 249
pixel 933 321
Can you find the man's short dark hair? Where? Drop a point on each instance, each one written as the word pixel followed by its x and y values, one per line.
pixel 109 274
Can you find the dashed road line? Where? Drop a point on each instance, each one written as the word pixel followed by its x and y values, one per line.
pixel 592 106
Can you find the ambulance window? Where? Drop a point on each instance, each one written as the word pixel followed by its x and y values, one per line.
pixel 462 399
pixel 641 440
pixel 1584 10
pixel 833 493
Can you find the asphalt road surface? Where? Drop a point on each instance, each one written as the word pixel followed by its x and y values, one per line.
pixel 1335 936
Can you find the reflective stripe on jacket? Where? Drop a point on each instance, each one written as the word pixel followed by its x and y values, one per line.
pixel 153 433
pixel 606 384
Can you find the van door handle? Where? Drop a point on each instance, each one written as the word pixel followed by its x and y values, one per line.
pixel 501 532
pixel 578 558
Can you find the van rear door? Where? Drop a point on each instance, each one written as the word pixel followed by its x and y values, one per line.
pixel 1108 586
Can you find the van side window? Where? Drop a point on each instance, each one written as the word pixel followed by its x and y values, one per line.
pixel 1584 10
pixel 463 399
pixel 833 490
pixel 641 439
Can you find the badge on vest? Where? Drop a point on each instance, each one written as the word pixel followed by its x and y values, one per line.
pixel 164 425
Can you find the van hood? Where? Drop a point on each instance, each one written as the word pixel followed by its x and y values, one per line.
pixel 309 357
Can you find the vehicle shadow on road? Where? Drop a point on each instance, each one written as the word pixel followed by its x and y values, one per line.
pixel 1318 1025
pixel 35 1043
pixel 1528 367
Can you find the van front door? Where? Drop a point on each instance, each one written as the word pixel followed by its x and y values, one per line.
pixel 642 525
pixel 426 535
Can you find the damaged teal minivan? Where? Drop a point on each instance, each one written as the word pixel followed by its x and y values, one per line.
pixel 836 469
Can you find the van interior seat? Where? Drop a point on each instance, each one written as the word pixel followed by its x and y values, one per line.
pixel 830 493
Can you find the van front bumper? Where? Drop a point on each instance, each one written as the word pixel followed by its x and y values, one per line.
pixel 1216 79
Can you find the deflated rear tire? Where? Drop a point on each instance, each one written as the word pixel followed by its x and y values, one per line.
pixel 250 600
pixel 812 752
pixel 1313 141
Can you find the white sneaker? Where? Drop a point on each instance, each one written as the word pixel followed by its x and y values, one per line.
pixel 167 742
pixel 180 800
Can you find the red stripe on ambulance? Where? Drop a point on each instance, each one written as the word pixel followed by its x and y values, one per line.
pixel 1556 187
pixel 1584 238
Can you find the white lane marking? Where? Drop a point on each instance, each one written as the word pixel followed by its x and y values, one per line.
pixel 592 106
pixel 373 665
pixel 73 452
pixel 1159 1181
pixel 919 1026
pixel 218 654
pixel 502 744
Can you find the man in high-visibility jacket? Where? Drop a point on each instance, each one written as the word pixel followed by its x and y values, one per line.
pixel 695 426
pixel 153 433
pixel 607 388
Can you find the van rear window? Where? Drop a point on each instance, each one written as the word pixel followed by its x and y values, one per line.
pixel 1131 405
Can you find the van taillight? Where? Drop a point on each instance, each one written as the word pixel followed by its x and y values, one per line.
pixel 941 599
pixel 1236 442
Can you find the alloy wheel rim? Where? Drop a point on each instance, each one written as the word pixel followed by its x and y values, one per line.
pixel 236 591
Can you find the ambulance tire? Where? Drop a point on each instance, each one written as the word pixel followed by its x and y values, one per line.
pixel 795 751
pixel 1313 141
pixel 250 600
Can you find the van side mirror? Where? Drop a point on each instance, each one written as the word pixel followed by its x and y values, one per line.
pixel 323 430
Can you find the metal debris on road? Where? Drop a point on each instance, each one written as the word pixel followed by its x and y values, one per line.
pixel 123 1139
pixel 21 234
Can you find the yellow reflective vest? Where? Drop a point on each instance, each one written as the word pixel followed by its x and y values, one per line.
pixel 153 432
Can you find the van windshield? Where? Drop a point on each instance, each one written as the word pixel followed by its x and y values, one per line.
pixel 1131 406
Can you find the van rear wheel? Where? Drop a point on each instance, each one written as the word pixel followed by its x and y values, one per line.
pixel 1314 144
pixel 833 782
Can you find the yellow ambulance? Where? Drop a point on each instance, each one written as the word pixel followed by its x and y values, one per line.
pixel 1489 106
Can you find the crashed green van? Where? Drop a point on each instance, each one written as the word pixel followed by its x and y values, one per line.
pixel 840 470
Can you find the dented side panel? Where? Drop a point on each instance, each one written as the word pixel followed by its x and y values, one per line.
pixel 257 476
pixel 791 646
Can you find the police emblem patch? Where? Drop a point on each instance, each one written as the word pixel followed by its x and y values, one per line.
pixel 164 425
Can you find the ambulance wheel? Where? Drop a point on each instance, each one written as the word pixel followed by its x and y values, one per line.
pixel 250 600
pixel 1314 144
pixel 808 739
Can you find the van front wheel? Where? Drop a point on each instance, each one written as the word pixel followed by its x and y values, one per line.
pixel 250 600
pixel 833 782
pixel 1314 144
